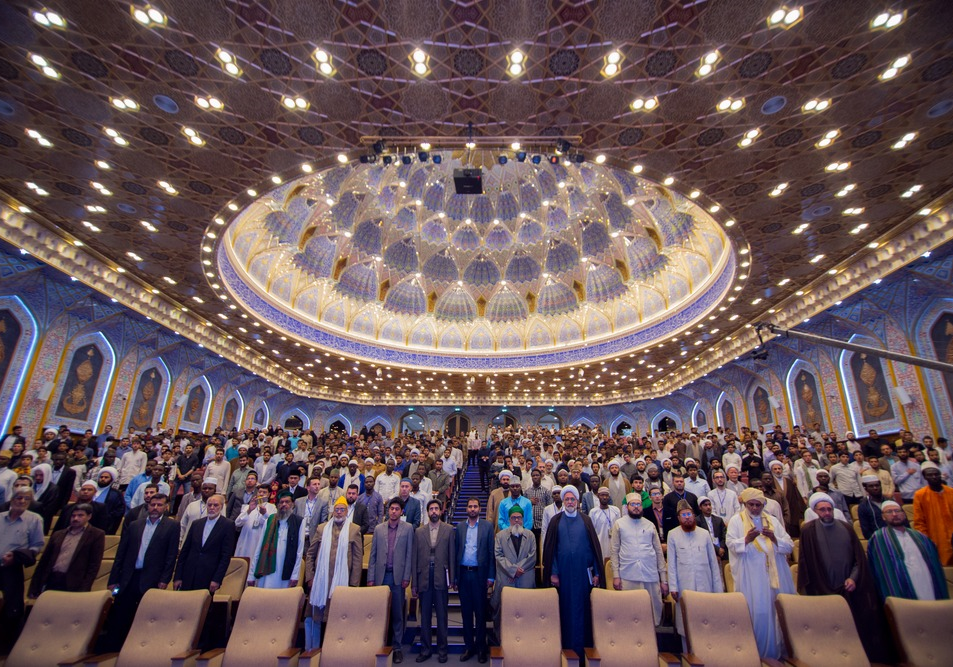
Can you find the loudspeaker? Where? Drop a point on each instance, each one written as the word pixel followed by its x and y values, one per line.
pixel 902 396
pixel 468 181
pixel 44 392
pixel 774 403
pixel 180 401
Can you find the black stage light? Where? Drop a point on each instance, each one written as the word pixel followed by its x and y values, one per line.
pixel 501 159
pixel 437 159
pixel 378 146
pixel 405 159
pixel 423 156
pixel 521 156
pixel 578 158
pixel 388 159
pixel 364 159
pixel 563 146
pixel 536 159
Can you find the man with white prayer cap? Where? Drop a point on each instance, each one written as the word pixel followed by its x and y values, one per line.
pixel 868 510
pixel 496 497
pixel 832 562
pixel 693 564
pixel 905 563
pixel 635 554
pixel 757 549
pixel 331 562
pixel 573 563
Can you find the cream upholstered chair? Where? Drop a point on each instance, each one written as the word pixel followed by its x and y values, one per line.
pixel 819 631
pixel 718 631
pixel 101 582
pixel 530 637
pixel 232 588
pixel 623 631
pixel 111 546
pixel 923 631
pixel 164 632
pixel 75 618
pixel 357 630
pixel 264 632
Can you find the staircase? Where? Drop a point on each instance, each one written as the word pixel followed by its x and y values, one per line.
pixel 469 488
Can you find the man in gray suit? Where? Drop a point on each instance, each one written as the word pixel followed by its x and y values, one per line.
pixel 391 564
pixel 312 509
pixel 434 569
pixel 515 551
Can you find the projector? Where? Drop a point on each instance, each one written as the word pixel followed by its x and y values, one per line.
pixel 468 181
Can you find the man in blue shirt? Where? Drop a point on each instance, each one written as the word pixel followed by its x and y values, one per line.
pixel 516 497
pixel 475 573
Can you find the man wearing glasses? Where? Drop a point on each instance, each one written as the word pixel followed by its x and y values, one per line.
pixel 904 561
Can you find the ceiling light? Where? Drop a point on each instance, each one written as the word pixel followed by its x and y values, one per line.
pixel 193 136
pixel 44 66
pixel 912 191
pixel 516 62
pixel 729 223
pixel 165 185
pixel 784 282
pixel 612 64
pixel 134 256
pixel 816 105
pixel 707 64
pixel 749 137
pixel 854 210
pixel 148 16
pixel 800 228
pixel 115 136
pixel 859 228
pixel 637 169
pixel 816 258
pixel 90 226
pixel 210 103
pixel 730 104
pixel 644 104
pixel 102 164
pixel 228 62
pixel 887 20
pixel 846 190
pixel 895 68
pixel 295 103
pixel 49 19
pixel 785 17
pixel 756 301
pixel 148 225
pixel 837 166
pixel 694 194
pixel 668 181
pixel 276 179
pixel 778 190
pixel 39 138
pixel 904 140
pixel 342 158
pixel 925 211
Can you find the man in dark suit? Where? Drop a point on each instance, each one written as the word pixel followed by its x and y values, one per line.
pixel 433 570
pixel 357 511
pixel 86 493
pixel 242 496
pixel 145 559
pixel 75 572
pixel 207 550
pixel 670 502
pixel 714 524
pixel 64 477
pixel 475 572
pixel 412 509
pixel 142 511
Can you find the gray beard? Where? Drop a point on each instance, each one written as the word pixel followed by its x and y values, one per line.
pixel 517 530
pixel 568 513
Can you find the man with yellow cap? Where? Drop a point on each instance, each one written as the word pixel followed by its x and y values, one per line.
pixel 757 548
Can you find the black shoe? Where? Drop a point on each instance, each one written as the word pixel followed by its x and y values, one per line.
pixel 398 657
pixel 466 655
pixel 482 657
pixel 442 658
pixel 423 656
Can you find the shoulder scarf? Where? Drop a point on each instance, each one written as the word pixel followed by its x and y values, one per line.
pixel 323 587
pixel 770 559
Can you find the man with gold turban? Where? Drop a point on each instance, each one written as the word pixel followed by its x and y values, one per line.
pixel 757 548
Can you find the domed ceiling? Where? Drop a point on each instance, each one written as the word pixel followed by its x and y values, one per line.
pixel 555 263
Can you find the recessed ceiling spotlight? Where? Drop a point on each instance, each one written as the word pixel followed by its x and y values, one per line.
pixel 895 68
pixel 44 66
pixel 778 190
pixel 816 105
pixel 39 138
pixel 229 63
pixel 749 137
pixel 730 104
pixel 837 166
pixel 854 210
pixel 904 140
pixel 210 103
pixel 925 211
pixel 148 16
pixel 102 164
pixel 816 258
pixel 420 62
pixel 912 191
pixel 193 136
pixel 887 20
pixel 801 228
pixel 729 223
pixel 707 64
pixel 124 103
pixel 668 180
pixel 165 185
pixel 859 228
pixel 295 103
pixel 516 62
pixel 637 169
pixel 49 19
pixel 785 17
pixel 612 64
pixel 827 139
pixel 846 190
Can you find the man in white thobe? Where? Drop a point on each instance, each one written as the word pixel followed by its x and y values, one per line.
pixel 251 522
pixel 283 530
pixel 549 512
pixel 635 553
pixel 757 550
pixel 692 562
pixel 604 516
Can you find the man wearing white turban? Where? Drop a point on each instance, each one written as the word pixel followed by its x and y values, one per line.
pixel 757 550
pixel 110 497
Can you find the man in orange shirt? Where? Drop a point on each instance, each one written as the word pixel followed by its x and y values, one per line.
pixel 933 512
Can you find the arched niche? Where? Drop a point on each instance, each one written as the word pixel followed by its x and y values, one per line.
pixel 380 420
pixel 302 418
pixel 726 413
pixel 661 415
pixel 150 389
pixel 18 339
pixel 233 410
pixel 550 420
pixel 196 403
pixel 456 424
pixel 411 422
pixel 868 380
pixel 330 421
pixel 805 394
pixel 82 384
pixel 262 415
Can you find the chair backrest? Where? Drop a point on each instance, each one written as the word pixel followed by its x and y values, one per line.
pixel 233 583
pixel 858 531
pixel 101 582
pixel 75 618
pixel 266 625
pixel 623 628
pixel 729 580
pixel 854 512
pixel 819 631
pixel 922 630
pixel 530 634
pixel 167 624
pixel 358 620
pixel 718 629
pixel 111 546
pixel 797 550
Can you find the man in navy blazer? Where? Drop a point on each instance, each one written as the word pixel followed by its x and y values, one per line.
pixel 145 559
pixel 476 568
pixel 207 550
pixel 412 511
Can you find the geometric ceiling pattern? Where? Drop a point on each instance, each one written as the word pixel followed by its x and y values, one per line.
pixel 551 259
pixel 140 185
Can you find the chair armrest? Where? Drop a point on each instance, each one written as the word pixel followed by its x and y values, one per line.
pixel 212 658
pixel 102 660
pixel 382 657
pixel 668 660
pixel 691 660
pixel 771 662
pixel 593 659
pixel 310 658
pixel 289 657
pixel 186 658
pixel 496 656
pixel 65 663
pixel 208 655
pixel 570 658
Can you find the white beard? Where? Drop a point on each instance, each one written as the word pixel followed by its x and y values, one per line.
pixel 517 530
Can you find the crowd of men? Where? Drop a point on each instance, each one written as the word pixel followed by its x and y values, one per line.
pixel 664 512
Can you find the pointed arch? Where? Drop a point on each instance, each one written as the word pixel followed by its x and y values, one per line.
pixel 265 413
pixel 19 357
pixel 287 414
pixel 196 403
pixel 379 419
pixel 618 420
pixel 661 414
pixel 102 384
pixel 806 406
pixel 235 402
pixel 877 396
pixel 339 417
pixel 583 421
pixel 142 409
